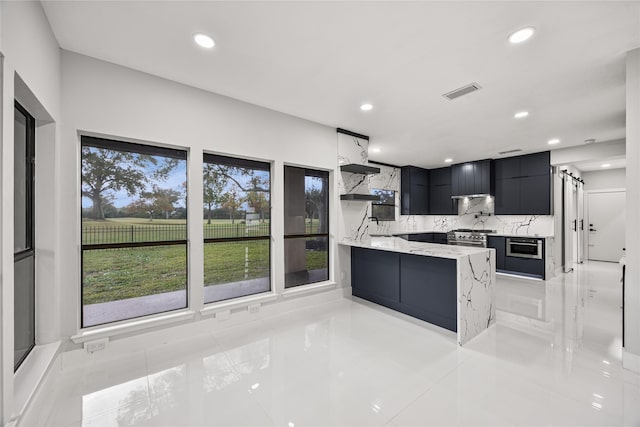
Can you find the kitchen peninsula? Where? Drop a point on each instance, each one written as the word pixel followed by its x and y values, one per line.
pixel 449 286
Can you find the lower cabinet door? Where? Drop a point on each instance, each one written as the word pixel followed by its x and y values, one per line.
pixel 532 267
pixel 498 243
pixel 428 289
pixel 375 275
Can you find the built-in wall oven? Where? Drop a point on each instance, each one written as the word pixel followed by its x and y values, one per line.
pixel 524 247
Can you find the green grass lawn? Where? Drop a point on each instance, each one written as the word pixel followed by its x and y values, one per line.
pixel 116 274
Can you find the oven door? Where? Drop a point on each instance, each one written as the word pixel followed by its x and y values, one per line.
pixel 524 248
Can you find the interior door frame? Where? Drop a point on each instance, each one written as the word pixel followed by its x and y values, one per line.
pixel 585 236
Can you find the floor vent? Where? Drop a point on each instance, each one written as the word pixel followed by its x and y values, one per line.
pixel 461 91
pixel 510 151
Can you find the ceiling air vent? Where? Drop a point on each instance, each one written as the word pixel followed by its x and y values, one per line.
pixel 461 91
pixel 510 151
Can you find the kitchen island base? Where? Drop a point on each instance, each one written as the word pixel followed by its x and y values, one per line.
pixel 453 292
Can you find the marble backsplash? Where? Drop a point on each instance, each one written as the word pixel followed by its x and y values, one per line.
pixel 474 213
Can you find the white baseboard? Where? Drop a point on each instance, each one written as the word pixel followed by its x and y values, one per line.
pixel 631 361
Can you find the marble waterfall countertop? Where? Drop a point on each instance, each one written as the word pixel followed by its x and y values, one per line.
pixel 404 233
pixel 397 244
pixel 476 278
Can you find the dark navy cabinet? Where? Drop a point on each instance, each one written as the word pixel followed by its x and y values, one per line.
pixel 472 178
pixel 435 237
pixel 527 266
pixel 498 243
pixel 375 275
pixel 420 286
pixel 414 191
pixel 440 201
pixel 523 185
pixel 428 289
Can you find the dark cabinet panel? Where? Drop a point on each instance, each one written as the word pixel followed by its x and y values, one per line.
pixel 440 238
pixel 523 185
pixel 375 275
pixel 420 237
pixel 535 164
pixel 472 178
pixel 428 289
pixel 422 287
pixel 414 192
pixel 535 195
pixel 507 200
pixel 440 201
pixel 498 243
pixel 440 176
pixel 508 168
pixel 483 177
pixel 528 266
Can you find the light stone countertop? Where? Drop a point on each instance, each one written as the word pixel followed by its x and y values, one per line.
pixel 397 244
pixel 531 236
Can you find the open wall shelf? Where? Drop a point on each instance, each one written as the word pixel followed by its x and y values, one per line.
pixel 362 197
pixel 358 168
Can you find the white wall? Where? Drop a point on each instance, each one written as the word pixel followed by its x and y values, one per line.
pixel 31 73
pixel 588 152
pixel 605 179
pixel 631 357
pixel 106 99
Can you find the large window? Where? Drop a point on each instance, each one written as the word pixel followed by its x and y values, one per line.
pixel 237 230
pixel 306 226
pixel 134 230
pixel 23 234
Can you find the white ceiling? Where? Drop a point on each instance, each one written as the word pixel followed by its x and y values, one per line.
pixel 617 162
pixel 321 60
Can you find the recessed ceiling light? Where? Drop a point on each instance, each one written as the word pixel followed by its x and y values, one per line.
pixel 366 107
pixel 521 35
pixel 553 141
pixel 376 150
pixel 204 40
pixel 521 114
pixel 606 165
pixel 448 160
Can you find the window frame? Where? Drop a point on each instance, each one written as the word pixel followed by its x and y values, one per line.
pixel 319 173
pixel 234 161
pixel 377 203
pixel 141 148
pixel 30 250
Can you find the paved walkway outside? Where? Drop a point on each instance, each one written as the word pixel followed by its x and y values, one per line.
pixel 107 312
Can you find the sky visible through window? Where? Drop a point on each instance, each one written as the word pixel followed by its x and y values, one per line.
pixel 175 180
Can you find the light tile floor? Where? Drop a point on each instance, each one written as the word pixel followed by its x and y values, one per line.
pixel 553 358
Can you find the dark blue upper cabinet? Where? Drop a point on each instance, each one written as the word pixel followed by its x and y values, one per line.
pixel 440 201
pixel 523 185
pixel 414 191
pixel 472 178
pixel 537 164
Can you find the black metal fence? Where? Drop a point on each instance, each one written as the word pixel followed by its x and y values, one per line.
pixel 97 234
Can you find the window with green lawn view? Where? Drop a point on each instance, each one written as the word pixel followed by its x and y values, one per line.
pixel 237 227
pixel 306 226
pixel 134 230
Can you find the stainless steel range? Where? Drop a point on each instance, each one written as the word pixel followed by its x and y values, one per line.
pixel 468 237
